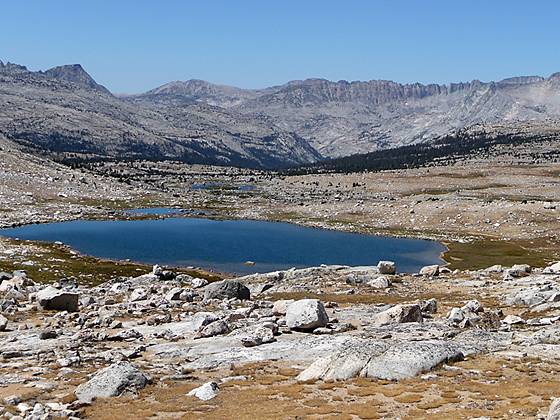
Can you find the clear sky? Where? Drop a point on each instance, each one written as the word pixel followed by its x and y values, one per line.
pixel 134 45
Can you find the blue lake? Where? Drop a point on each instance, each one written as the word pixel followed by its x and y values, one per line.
pixel 226 245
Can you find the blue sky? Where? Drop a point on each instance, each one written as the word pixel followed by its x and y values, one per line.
pixel 135 45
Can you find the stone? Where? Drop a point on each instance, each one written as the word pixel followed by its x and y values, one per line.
pixel 112 381
pixel 138 294
pixel 12 400
pixel 205 392
pixel 554 410
pixel 548 335
pixel 3 323
pixel 380 282
pixel 375 359
pixel 473 306
pixel 51 298
pixel 386 267
pixel 519 270
pixel 456 315
pixel 260 335
pixel 201 319
pixel 4 276
pixel 552 269
pixel 530 296
pixel 174 294
pixel 513 319
pixel 280 307
pixel 306 314
pixel 398 314
pixel 227 289
pixel 157 270
pixel 494 269
pixel 323 331
pixel 197 283
pixel 430 270
pixel 429 306
pixel 215 328
pixel 407 360
pixel 47 334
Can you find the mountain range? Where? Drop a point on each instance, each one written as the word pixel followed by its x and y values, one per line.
pixel 63 111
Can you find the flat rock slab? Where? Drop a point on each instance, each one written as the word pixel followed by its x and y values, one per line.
pixel 401 359
pixel 222 351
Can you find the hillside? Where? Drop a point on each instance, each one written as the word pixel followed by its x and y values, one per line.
pixel 64 113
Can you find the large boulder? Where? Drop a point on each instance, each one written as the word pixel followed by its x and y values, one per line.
pixel 399 314
pixel 112 381
pixel 52 298
pixel 227 289
pixel 306 314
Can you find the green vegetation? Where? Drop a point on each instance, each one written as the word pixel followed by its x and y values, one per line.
pixel 483 253
pixel 52 262
pixel 443 151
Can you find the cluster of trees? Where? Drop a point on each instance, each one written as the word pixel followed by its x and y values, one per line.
pixel 442 151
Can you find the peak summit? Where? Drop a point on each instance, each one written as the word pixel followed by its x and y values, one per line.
pixel 75 73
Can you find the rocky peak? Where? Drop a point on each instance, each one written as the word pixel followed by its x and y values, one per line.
pixel 76 74
pixel 521 80
pixel 373 92
pixel 12 68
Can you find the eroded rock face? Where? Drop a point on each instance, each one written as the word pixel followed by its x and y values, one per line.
pixel 227 289
pixel 112 381
pixel 306 314
pixel 55 299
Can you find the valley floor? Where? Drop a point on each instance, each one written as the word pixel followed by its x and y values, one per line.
pixel 486 213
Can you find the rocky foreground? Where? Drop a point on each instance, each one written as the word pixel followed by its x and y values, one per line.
pixel 330 340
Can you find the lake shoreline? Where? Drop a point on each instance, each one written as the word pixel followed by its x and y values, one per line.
pixel 281 232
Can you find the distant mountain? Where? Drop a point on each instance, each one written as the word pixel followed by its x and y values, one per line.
pixel 76 74
pixel 344 118
pixel 191 91
pixel 63 112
